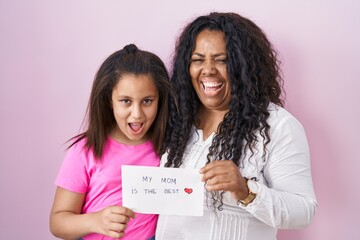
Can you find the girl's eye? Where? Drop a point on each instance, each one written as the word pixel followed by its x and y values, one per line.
pixel 125 101
pixel 148 101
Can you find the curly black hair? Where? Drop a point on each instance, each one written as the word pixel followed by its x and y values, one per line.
pixel 254 73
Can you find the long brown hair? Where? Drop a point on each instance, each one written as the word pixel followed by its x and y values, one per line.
pixel 100 119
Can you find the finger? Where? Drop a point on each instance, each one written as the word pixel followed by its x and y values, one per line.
pixel 218 179
pixel 210 165
pixel 227 184
pixel 115 234
pixel 227 164
pixel 115 230
pixel 218 187
pixel 119 218
pixel 117 227
pixel 216 171
pixel 123 211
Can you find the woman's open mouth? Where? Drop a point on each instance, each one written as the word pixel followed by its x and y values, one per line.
pixel 211 88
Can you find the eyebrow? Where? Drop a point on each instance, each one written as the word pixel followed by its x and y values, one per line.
pixel 124 96
pixel 214 55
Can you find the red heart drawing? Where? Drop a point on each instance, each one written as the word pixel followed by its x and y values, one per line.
pixel 188 190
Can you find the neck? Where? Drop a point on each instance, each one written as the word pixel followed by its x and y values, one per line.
pixel 209 120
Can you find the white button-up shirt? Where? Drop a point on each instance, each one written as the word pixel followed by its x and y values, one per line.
pixel 286 198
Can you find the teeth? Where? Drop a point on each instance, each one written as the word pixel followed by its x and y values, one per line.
pixel 211 84
pixel 211 87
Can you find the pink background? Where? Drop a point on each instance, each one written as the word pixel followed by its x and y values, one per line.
pixel 50 51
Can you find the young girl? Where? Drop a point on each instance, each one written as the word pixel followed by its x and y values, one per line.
pixel 127 116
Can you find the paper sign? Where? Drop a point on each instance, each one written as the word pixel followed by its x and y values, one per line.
pixel 158 190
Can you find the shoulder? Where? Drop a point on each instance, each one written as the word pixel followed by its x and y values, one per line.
pixel 74 173
pixel 278 113
pixel 286 130
pixel 77 148
pixel 284 127
pixel 280 117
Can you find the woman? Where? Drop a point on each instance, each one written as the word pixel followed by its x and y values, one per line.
pixel 230 125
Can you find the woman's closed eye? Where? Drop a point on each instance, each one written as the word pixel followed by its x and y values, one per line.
pixel 197 60
pixel 217 60
pixel 220 60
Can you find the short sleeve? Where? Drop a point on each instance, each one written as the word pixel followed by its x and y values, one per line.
pixel 74 171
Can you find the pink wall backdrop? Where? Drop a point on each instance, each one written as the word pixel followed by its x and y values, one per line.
pixel 50 51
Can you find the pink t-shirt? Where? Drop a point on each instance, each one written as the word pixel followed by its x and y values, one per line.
pixel 102 183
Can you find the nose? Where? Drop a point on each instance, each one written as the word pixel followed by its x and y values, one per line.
pixel 136 111
pixel 209 67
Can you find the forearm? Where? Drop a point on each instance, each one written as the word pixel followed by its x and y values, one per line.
pixel 68 225
pixel 283 209
pixel 287 199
